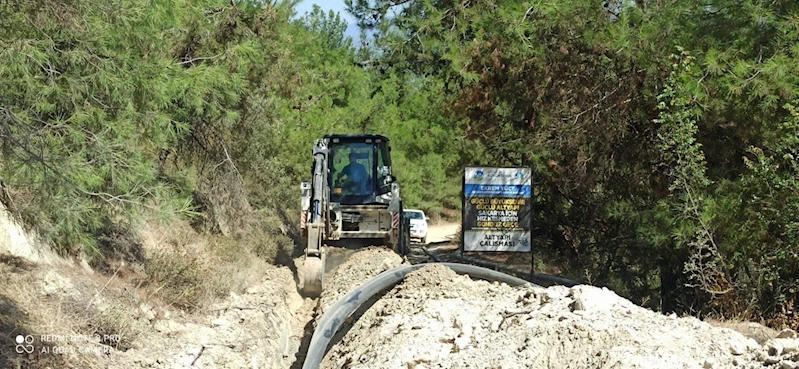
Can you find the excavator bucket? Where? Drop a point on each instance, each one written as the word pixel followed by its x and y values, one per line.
pixel 313 276
pixel 313 268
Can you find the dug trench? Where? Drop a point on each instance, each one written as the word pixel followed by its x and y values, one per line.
pixel 434 318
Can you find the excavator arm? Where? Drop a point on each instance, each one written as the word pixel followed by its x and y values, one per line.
pixel 315 203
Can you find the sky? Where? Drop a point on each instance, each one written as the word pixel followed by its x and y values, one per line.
pixel 336 6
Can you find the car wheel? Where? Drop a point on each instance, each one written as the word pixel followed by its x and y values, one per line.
pixel 424 240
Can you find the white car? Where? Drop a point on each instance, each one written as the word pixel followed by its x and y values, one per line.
pixel 418 224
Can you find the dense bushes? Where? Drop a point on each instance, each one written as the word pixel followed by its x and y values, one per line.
pixel 182 109
pixel 661 166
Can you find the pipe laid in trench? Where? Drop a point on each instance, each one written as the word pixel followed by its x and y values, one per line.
pixel 344 307
pixel 544 280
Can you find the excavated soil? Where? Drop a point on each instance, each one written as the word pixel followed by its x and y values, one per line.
pixel 354 271
pixel 249 330
pixel 433 319
pixel 438 319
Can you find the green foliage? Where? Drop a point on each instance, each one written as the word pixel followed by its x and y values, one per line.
pixel 183 109
pixel 428 155
pixel 109 110
pixel 638 176
pixel 329 27
pixel 683 164
pixel 758 223
pixel 83 114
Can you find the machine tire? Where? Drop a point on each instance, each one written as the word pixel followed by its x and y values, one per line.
pixel 406 237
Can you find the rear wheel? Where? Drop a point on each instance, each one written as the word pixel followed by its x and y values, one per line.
pixel 405 241
pixel 403 245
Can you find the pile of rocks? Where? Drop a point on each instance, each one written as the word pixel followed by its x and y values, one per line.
pixel 781 352
pixel 438 319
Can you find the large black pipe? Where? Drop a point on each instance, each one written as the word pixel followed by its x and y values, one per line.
pixel 332 319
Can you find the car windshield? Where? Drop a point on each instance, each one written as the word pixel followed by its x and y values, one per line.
pixel 414 215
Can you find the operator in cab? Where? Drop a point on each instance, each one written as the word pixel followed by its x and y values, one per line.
pixel 355 176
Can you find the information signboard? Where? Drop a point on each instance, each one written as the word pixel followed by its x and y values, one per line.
pixel 496 209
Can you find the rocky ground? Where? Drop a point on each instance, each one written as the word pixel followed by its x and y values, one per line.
pixel 260 327
pixel 57 313
pixel 253 329
pixel 438 319
pixel 433 319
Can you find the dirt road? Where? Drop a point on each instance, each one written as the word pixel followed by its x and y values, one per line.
pixel 443 232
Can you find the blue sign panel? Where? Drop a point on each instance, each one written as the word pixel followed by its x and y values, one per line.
pixel 496 209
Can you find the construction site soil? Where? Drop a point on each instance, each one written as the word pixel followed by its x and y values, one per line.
pixel 438 319
pixel 434 318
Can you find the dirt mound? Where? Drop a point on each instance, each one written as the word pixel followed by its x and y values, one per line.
pixel 354 271
pixel 73 319
pixel 251 329
pixel 438 319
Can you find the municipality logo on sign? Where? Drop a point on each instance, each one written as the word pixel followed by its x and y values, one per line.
pixel 495 174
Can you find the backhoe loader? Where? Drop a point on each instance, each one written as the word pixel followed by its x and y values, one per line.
pixel 352 200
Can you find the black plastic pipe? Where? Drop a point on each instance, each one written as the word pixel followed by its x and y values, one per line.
pixel 334 317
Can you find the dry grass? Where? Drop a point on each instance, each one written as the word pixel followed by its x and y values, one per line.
pixel 180 269
pixel 116 322
pixel 174 278
pixel 62 301
pixel 756 331
pixel 786 316
pixel 189 270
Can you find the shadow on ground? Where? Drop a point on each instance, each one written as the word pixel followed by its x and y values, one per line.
pixel 117 243
pixel 15 323
pixel 299 357
pixel 12 324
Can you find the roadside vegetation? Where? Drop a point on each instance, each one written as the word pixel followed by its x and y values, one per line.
pixel 663 136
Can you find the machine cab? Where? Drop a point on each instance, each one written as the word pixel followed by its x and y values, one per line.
pixel 359 169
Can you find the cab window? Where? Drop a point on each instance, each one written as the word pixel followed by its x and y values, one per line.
pixel 351 170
